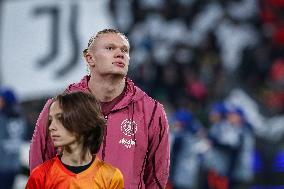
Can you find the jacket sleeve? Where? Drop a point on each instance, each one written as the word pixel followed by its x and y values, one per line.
pixel 158 158
pixel 41 147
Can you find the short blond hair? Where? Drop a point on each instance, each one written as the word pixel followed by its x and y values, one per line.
pixel 104 31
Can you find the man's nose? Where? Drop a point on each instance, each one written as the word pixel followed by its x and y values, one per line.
pixel 119 54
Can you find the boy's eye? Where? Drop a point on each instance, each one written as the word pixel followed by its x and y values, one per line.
pixel 49 121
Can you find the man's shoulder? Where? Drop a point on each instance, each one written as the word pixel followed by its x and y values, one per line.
pixel 141 94
pixel 145 97
pixel 151 101
pixel 82 85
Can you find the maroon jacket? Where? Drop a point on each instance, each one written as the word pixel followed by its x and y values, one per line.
pixel 136 138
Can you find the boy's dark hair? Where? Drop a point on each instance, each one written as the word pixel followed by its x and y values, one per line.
pixel 81 115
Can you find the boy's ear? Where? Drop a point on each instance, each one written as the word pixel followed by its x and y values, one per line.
pixel 79 138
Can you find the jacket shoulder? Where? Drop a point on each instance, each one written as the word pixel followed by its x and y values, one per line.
pixel 152 103
pixel 79 86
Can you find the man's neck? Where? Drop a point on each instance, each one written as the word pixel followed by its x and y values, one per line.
pixel 107 88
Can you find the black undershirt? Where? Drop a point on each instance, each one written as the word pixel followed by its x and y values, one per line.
pixel 78 169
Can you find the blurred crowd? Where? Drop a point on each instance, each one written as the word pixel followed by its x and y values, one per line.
pixel 218 68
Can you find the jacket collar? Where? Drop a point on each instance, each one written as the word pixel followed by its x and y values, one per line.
pixel 132 93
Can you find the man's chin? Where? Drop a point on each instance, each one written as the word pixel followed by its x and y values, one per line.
pixel 117 74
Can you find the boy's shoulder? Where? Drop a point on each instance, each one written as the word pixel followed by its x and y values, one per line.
pixel 43 168
pixel 107 167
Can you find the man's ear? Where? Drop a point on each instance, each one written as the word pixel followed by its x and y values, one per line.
pixel 89 59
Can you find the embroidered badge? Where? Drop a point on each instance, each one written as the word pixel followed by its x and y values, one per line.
pixel 127 143
pixel 128 127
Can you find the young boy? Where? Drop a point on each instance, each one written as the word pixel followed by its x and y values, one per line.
pixel 76 125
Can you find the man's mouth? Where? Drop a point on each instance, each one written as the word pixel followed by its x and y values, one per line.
pixel 119 64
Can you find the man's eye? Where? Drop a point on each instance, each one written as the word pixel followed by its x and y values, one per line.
pixel 125 50
pixel 109 48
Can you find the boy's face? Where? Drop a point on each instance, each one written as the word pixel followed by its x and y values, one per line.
pixel 109 55
pixel 59 134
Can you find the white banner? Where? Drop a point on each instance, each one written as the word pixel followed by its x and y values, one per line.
pixel 42 43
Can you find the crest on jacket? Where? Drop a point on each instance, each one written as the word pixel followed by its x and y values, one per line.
pixel 128 128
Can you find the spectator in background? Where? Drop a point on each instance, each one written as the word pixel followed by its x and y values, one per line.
pixel 136 138
pixel 242 174
pixel 232 151
pixel 12 131
pixel 274 97
pixel 217 113
pixel 271 14
pixel 75 124
pixel 187 133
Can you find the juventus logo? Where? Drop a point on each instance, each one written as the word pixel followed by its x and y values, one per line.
pixel 54 13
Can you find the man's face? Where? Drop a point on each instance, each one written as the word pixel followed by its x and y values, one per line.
pixel 109 55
